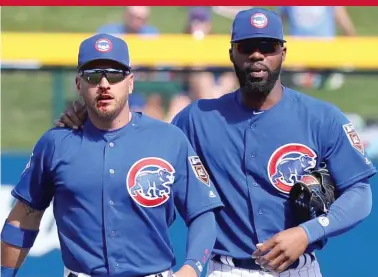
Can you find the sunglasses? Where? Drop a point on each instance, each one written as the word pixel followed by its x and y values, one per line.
pixel 94 76
pixel 263 46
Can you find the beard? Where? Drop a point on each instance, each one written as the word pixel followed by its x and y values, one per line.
pixel 257 88
pixel 109 112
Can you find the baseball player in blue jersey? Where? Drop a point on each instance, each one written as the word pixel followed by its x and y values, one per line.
pixel 115 183
pixel 257 143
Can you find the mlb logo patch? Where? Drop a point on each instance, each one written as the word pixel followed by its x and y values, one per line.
pixel 199 170
pixel 353 137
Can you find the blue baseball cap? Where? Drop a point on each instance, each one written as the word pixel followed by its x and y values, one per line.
pixel 257 23
pixel 103 47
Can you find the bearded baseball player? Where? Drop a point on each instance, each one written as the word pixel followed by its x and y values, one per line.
pixel 290 169
pixel 115 183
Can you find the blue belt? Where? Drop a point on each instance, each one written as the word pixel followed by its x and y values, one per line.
pixel 250 263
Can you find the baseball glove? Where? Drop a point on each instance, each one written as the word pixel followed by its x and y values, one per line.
pixel 312 195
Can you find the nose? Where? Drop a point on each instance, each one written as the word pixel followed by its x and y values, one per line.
pixel 104 84
pixel 256 55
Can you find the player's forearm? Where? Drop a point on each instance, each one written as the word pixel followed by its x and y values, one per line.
pixel 201 239
pixel 17 236
pixel 15 246
pixel 353 206
pixel 12 257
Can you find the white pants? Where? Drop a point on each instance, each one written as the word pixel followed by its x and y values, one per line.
pixel 307 269
pixel 167 273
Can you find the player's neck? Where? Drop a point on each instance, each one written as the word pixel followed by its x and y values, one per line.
pixel 118 122
pixel 263 103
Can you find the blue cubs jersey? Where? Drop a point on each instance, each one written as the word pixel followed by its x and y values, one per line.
pixel 114 193
pixel 255 157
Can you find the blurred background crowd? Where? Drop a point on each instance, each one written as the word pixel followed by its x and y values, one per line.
pixel 26 94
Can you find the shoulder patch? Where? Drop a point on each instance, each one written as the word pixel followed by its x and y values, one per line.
pixel 353 137
pixel 28 164
pixel 199 170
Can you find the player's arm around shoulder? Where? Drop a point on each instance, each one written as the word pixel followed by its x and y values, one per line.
pixel 34 193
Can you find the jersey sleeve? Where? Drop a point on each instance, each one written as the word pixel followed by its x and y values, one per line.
pixel 183 121
pixel 35 186
pixel 344 152
pixel 193 191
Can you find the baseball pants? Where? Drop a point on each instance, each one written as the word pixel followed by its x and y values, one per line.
pixel 306 268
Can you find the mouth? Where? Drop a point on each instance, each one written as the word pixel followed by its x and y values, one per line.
pixel 258 74
pixel 257 71
pixel 104 99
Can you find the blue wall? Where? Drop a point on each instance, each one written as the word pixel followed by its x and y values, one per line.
pixel 352 254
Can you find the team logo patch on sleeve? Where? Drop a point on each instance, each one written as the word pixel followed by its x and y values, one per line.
pixel 199 170
pixel 149 181
pixel 353 137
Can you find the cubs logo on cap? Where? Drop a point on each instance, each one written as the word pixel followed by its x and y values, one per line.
pixel 259 20
pixel 103 45
pixel 257 23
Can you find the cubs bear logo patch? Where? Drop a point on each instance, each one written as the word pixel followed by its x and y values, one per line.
pixel 149 181
pixel 353 137
pixel 199 170
pixel 289 164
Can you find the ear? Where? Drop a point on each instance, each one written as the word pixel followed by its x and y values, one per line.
pixel 284 51
pixel 230 54
pixel 78 85
pixel 131 83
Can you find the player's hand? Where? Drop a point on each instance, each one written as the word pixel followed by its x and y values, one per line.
pixel 284 248
pixel 73 117
pixel 185 271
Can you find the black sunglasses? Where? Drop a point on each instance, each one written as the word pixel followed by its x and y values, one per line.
pixel 94 76
pixel 263 46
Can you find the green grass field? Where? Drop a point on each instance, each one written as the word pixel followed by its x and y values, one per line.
pixel 27 96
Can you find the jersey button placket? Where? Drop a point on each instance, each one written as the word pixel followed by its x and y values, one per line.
pixel 109 224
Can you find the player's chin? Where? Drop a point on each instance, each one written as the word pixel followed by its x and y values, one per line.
pixel 106 112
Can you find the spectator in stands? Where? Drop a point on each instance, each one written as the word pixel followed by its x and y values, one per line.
pixel 317 22
pixel 200 85
pixel 151 105
pixel 135 20
pixel 154 106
